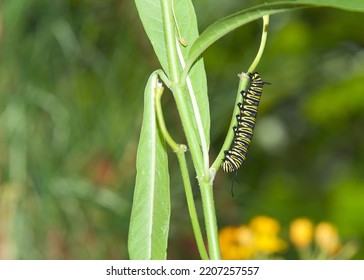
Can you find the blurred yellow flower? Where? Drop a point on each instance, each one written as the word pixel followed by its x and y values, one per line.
pixel 301 232
pixel 245 242
pixel 236 243
pixel 327 238
pixel 265 230
pixel 264 225
pixel 260 240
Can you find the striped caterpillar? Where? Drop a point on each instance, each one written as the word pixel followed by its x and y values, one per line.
pixel 243 132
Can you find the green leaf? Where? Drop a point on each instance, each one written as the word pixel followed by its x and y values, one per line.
pixel 229 23
pixel 187 23
pixel 149 224
pixel 150 13
pixel 350 5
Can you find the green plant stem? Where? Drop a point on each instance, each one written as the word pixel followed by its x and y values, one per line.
pixel 305 253
pixel 164 78
pixel 158 91
pixel 262 44
pixel 210 220
pixel 192 207
pixel 243 85
pixel 201 132
pixel 180 150
pixel 179 88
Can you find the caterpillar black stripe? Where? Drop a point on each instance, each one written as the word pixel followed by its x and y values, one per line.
pixel 243 132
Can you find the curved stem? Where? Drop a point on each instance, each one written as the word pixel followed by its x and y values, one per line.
pixel 243 85
pixel 164 78
pixel 262 44
pixel 158 91
pixel 180 150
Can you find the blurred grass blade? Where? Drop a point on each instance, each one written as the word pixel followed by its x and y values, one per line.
pixel 229 23
pixel 149 224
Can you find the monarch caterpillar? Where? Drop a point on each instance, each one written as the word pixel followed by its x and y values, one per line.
pixel 243 132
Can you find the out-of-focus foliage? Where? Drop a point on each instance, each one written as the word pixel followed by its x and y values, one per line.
pixel 72 75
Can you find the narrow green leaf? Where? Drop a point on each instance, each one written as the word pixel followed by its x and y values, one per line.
pixel 149 224
pixel 231 22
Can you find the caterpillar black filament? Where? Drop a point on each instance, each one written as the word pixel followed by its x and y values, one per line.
pixel 243 132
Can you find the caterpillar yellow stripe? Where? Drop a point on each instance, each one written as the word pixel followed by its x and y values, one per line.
pixel 243 131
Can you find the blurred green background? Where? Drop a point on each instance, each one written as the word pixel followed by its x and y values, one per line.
pixel 72 76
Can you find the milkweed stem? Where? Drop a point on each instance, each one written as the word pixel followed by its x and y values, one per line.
pixel 158 91
pixel 180 150
pixel 243 84
pixel 262 44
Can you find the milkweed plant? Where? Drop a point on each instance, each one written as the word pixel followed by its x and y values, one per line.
pixel 171 26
